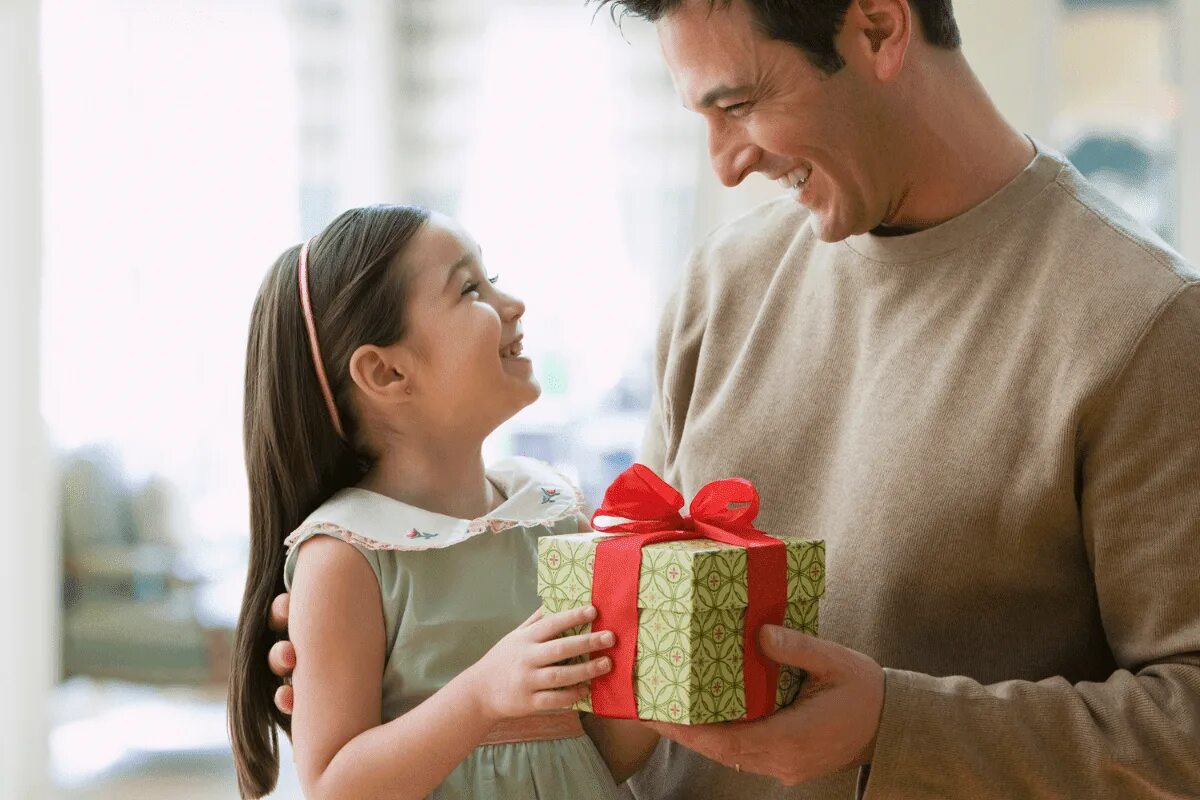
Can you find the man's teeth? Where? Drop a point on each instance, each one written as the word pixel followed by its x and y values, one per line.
pixel 796 178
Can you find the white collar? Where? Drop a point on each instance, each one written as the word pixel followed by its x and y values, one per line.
pixel 537 495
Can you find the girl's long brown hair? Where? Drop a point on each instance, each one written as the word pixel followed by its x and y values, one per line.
pixel 294 458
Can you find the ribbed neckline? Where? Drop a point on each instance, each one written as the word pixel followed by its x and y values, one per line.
pixel 970 225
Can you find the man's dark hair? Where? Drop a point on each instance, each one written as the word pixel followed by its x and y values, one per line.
pixel 810 25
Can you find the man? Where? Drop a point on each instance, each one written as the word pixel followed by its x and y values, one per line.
pixel 952 359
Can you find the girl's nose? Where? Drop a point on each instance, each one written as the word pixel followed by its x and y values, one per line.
pixel 511 308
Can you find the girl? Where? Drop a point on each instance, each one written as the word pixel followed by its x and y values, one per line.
pixel 380 358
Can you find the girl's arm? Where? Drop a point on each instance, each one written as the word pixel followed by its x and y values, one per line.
pixel 341 748
pixel 624 744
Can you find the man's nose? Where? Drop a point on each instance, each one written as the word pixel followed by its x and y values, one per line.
pixel 732 156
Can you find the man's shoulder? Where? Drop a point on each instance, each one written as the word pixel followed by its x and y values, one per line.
pixel 1106 248
pixel 757 240
pixel 1097 277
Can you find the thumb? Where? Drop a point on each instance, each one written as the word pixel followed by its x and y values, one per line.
pixel 796 649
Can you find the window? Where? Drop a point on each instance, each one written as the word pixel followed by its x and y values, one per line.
pixel 1120 103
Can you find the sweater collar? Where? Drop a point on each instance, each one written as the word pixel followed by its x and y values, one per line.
pixel 941 239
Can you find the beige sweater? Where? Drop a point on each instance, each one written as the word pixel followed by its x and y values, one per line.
pixel 995 426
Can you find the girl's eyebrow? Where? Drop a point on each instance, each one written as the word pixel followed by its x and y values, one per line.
pixel 463 260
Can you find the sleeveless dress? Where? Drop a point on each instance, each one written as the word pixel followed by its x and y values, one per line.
pixel 451 588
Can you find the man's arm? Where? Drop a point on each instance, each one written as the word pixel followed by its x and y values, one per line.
pixel 678 340
pixel 1136 734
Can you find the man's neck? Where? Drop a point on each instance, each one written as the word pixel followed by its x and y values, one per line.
pixel 958 147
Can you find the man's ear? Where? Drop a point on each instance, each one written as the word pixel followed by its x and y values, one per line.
pixel 382 374
pixel 881 31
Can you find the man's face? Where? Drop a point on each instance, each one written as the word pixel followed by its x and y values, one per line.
pixel 770 110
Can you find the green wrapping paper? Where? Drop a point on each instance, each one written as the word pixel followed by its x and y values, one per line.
pixel 691 606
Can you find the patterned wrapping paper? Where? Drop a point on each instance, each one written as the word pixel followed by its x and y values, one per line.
pixel 692 602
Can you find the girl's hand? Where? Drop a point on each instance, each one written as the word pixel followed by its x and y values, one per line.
pixel 522 674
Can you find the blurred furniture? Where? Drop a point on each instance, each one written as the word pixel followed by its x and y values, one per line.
pixel 129 599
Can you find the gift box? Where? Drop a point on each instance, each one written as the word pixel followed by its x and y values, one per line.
pixel 691 609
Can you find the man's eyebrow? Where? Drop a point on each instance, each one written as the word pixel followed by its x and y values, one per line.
pixel 463 260
pixel 713 95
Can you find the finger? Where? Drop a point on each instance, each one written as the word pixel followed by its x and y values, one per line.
pixel 567 647
pixel 551 699
pixel 279 612
pixel 786 646
pixel 534 617
pixel 285 699
pixel 282 658
pixel 559 676
pixel 549 627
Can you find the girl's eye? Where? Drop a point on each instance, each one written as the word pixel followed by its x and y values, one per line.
pixel 473 286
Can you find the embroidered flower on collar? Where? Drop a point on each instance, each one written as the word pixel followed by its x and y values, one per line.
pixel 550 495
pixel 416 534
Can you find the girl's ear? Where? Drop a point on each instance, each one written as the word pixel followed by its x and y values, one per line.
pixel 383 374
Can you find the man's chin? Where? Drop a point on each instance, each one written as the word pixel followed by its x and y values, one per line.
pixel 826 230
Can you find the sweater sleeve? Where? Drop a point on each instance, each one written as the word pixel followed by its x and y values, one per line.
pixel 654 440
pixel 1136 734
pixel 679 340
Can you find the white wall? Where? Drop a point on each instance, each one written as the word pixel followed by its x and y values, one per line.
pixel 28 546
pixel 370 125
pixel 1011 47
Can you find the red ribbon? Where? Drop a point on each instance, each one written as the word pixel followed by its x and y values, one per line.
pixel 724 511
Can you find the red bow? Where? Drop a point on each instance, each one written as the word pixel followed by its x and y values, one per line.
pixel 723 510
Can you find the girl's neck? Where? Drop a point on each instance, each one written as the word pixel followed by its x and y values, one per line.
pixel 441 478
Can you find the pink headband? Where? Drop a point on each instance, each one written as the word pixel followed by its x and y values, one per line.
pixel 313 345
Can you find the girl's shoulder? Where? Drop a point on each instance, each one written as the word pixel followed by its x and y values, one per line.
pixel 349 516
pixel 363 518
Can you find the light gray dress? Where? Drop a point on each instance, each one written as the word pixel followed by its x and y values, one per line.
pixel 451 588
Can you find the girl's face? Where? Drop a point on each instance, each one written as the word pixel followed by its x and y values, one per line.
pixel 464 335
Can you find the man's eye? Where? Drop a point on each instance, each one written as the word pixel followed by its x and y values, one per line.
pixel 737 109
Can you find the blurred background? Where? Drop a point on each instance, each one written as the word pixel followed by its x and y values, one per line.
pixel 157 155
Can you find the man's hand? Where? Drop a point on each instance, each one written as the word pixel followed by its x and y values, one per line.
pixel 831 725
pixel 282 656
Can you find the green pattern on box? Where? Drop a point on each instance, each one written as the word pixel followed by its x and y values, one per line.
pixel 692 605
